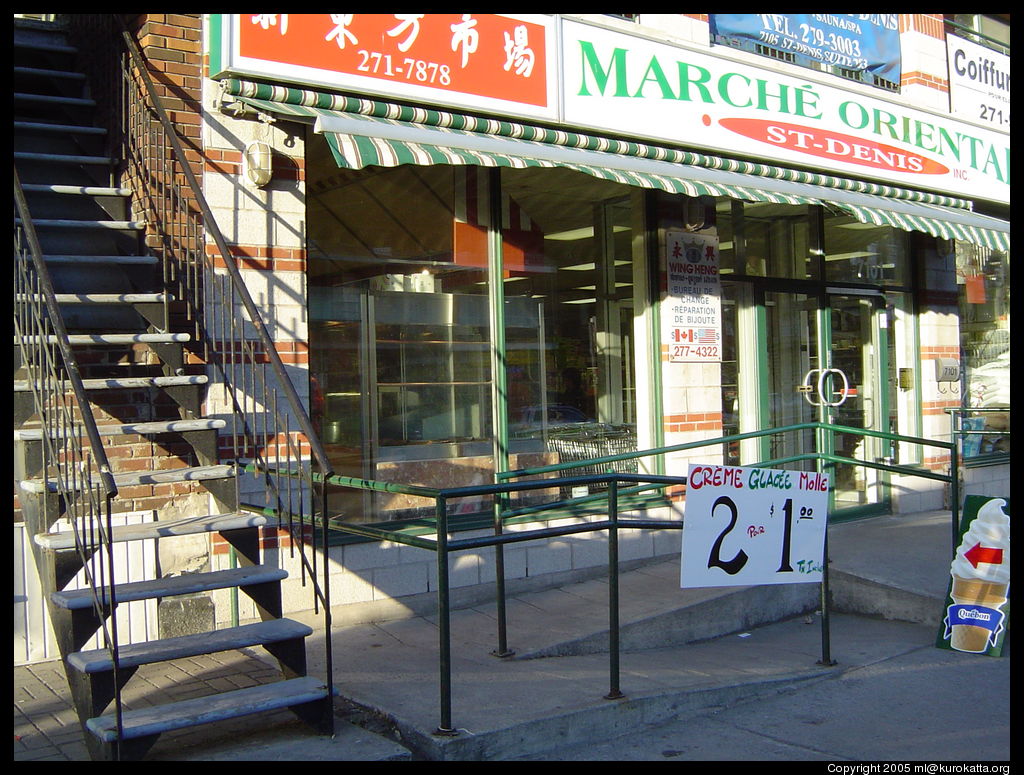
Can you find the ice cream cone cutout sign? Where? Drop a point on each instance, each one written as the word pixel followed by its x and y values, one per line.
pixel 977 610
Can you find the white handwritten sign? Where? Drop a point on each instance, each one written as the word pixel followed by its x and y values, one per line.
pixel 749 526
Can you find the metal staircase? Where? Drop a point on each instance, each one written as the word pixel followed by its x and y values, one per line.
pixel 126 338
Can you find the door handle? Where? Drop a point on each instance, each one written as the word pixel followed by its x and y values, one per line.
pixel 807 388
pixel 844 393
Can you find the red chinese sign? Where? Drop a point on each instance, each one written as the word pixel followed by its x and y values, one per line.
pixel 482 60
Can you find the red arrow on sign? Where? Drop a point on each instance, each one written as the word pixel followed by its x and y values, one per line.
pixel 979 553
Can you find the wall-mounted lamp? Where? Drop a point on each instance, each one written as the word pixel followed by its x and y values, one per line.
pixel 698 213
pixel 257 162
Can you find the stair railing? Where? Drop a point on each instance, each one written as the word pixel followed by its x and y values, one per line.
pixel 270 429
pixel 73 463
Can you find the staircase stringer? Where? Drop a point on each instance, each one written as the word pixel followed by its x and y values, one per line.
pixel 265 428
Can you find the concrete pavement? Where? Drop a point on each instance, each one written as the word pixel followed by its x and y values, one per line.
pixel 888 578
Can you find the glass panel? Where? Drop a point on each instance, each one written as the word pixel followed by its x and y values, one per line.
pixel 793 365
pixel 904 377
pixel 864 253
pixel 983 278
pixel 568 271
pixel 728 214
pixel 855 353
pixel 399 333
pixel 760 239
pixel 730 370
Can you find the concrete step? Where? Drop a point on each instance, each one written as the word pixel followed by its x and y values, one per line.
pixel 189 474
pixel 128 429
pixel 204 710
pixel 46 188
pixel 213 523
pixel 125 383
pixel 81 599
pixel 31 44
pixel 653 618
pixel 49 99
pixel 85 340
pixel 63 158
pixel 101 259
pixel 67 223
pixel 102 298
pixel 165 649
pixel 41 72
pixel 48 128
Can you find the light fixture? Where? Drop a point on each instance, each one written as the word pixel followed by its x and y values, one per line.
pixel 257 163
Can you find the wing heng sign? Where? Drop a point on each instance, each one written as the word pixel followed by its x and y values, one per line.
pixel 633 85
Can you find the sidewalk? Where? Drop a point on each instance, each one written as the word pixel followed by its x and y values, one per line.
pixel 551 693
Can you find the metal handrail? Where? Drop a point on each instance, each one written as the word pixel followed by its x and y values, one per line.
pixel 210 223
pixel 443 543
pixel 237 351
pixel 56 320
pixel 207 293
pixel 987 40
pixel 62 444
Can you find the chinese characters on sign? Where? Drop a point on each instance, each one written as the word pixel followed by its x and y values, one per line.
pixel 693 309
pixel 471 58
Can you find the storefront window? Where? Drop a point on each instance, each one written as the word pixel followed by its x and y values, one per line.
pixel 401 346
pixel 569 279
pixel 399 334
pixel 761 239
pixel 864 253
pixel 983 281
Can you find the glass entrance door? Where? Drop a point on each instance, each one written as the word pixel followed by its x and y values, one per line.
pixel 854 393
pixel 825 359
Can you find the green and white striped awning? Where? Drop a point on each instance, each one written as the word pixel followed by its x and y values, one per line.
pixel 363 133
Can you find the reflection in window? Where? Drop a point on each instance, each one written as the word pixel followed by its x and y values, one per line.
pixel 761 239
pixel 571 262
pixel 865 253
pixel 983 281
pixel 400 346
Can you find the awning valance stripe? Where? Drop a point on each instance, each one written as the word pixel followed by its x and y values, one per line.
pixel 359 139
pixel 309 104
pixel 355 151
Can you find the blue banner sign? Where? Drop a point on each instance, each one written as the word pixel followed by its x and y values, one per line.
pixel 868 42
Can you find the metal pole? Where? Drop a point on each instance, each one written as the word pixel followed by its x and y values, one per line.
pixel 328 616
pixel 613 592
pixel 826 655
pixel 954 473
pixel 499 389
pixel 499 580
pixel 444 618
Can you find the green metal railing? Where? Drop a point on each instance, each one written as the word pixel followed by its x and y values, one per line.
pixel 443 543
pixel 960 432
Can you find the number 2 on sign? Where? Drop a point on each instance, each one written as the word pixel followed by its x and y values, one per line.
pixel 735 565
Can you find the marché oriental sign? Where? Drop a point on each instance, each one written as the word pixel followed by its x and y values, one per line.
pixel 630 85
pixel 587 76
pixel 502 63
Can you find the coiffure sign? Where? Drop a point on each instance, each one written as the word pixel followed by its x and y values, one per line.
pixel 635 86
pixel 979 83
pixel 559 70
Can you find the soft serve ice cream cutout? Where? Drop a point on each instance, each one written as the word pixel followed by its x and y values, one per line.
pixel 981 580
